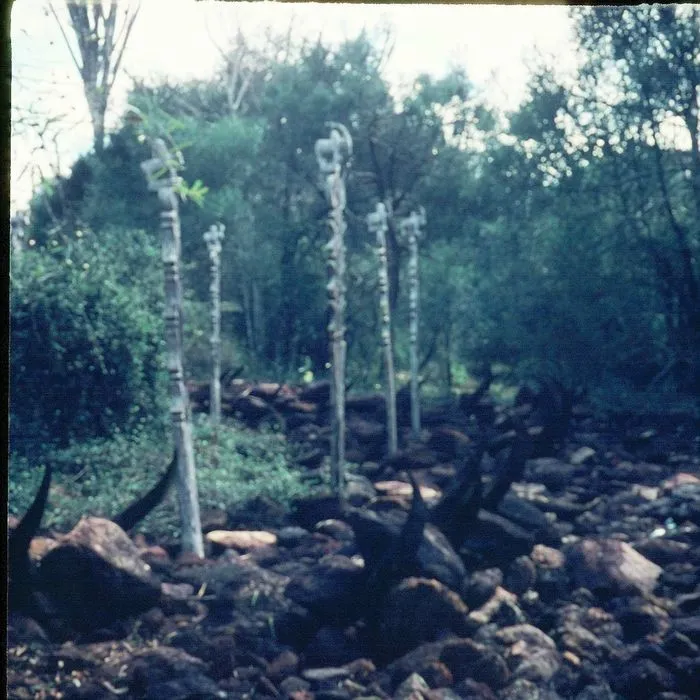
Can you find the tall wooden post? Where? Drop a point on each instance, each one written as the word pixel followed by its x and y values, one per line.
pixel 377 223
pixel 331 154
pixel 213 238
pixel 410 230
pixel 17 231
pixel 161 173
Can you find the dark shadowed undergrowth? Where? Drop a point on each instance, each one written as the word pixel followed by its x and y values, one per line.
pixel 101 477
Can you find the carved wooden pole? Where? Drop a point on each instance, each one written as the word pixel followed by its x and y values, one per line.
pixel 213 238
pixel 410 230
pixel 377 223
pixel 17 231
pixel 160 171
pixel 331 153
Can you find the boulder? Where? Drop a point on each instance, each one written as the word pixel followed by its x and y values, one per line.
pixel 611 567
pixel 96 576
pixel 331 589
pixel 244 540
pixel 420 610
pixel 494 541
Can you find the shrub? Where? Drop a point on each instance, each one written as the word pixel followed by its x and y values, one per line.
pixel 86 338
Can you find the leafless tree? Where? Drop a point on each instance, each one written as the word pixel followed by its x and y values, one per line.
pixel 102 29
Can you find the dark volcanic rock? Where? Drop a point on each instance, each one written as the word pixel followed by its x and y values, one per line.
pixel 553 473
pixel 108 580
pixel 530 518
pixel 170 673
pixel 330 589
pixel 420 610
pixel 481 586
pixel 642 679
pixel 611 567
pixel 495 541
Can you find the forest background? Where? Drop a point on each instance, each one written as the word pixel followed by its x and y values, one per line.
pixel 562 236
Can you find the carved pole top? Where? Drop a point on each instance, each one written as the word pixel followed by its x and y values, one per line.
pixel 411 225
pixel 377 220
pixel 161 169
pixel 213 238
pixel 333 152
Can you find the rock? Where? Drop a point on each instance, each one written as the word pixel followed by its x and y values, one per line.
pixel 108 580
pixel 438 560
pixel 436 675
pixel 420 657
pixel 359 490
pixel 677 480
pixel 530 518
pixel 170 673
pixel 611 568
pixel 284 664
pixel 410 459
pixel 523 689
pixel 520 575
pixel 552 473
pixel 547 557
pixel 582 456
pixel 468 659
pixel 332 646
pixel 413 688
pixel 491 608
pixel 420 610
pixel 531 654
pixel 481 586
pixel 448 442
pixel 689 626
pixel 469 689
pixel 494 541
pixel 641 679
pixel 663 551
pixel 337 529
pixel 640 618
pixel 244 540
pixel 291 536
pixel 331 589
pixel 589 633
pixel 312 509
pixel 325 674
pixel 405 490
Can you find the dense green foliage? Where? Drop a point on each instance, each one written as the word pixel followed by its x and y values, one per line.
pixel 86 340
pixel 561 237
pixel 102 476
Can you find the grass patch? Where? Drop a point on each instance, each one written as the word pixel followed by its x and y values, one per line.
pixel 101 477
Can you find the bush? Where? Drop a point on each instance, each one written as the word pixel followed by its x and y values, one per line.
pixel 86 338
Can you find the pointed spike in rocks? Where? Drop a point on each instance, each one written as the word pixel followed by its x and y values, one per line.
pixel 138 510
pixel 27 528
pixel 20 586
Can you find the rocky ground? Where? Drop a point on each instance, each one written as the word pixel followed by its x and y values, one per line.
pixel 580 581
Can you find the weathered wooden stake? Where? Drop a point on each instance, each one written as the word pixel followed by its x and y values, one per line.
pixel 17 232
pixel 161 173
pixel 331 154
pixel 213 238
pixel 377 223
pixel 410 230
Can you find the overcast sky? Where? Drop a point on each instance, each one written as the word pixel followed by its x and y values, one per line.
pixel 178 38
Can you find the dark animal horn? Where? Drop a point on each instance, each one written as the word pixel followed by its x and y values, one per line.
pixel 138 510
pixel 27 528
pixel 412 532
pixel 19 565
pixel 513 470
